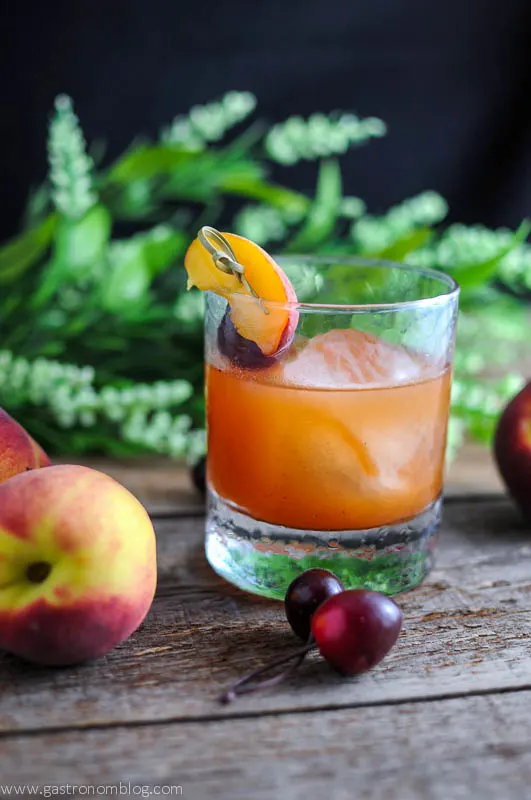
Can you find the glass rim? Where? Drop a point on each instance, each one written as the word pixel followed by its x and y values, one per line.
pixel 441 277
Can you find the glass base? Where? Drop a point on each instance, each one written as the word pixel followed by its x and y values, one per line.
pixel 263 558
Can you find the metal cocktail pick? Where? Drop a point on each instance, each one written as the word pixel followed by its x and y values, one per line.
pixel 223 256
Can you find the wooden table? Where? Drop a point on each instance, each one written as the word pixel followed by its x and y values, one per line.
pixel 445 716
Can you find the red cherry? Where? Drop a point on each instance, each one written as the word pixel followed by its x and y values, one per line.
pixel 355 630
pixel 305 594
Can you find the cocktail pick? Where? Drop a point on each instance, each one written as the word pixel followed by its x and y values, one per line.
pixel 223 256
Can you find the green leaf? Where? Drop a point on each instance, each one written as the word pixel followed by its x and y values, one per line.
pixel 24 251
pixel 162 246
pixel 79 243
pixel 324 211
pixel 286 200
pixel 135 262
pixel 398 250
pixel 149 161
pixel 131 201
pixel 52 349
pixel 472 276
pixel 79 246
pixel 37 206
pixel 209 175
pixel 129 277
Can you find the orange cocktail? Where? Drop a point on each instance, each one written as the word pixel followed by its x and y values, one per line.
pixel 346 458
pixel 326 418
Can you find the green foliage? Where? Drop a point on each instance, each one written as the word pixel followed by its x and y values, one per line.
pixel 67 398
pixel 209 123
pixel 71 168
pixel 378 235
pixel 474 273
pixel 24 251
pixel 320 222
pixel 320 136
pixel 102 345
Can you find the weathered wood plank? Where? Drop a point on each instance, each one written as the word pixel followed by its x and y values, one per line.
pixel 467 629
pixel 475 747
pixel 165 487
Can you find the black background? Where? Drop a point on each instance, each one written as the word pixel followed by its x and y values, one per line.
pixel 452 79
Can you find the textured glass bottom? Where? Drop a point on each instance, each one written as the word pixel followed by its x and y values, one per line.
pixel 263 558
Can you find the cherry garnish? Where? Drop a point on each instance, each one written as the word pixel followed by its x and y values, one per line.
pixel 304 596
pixel 354 630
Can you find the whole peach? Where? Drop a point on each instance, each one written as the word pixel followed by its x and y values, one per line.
pixel 18 451
pixel 512 448
pixel 77 564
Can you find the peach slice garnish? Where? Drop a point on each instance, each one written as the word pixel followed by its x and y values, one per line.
pixel 269 326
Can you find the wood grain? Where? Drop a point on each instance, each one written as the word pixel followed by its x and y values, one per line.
pixel 460 749
pixel 467 630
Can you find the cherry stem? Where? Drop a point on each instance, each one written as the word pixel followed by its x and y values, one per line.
pixel 246 686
